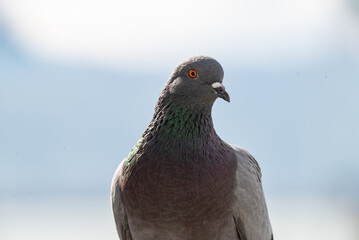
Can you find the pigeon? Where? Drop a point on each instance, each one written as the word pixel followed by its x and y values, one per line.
pixel 181 181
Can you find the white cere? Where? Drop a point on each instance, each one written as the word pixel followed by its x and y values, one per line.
pixel 217 85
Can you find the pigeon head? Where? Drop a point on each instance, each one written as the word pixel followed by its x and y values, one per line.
pixel 197 80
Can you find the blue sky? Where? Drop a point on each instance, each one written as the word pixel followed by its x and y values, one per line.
pixel 77 90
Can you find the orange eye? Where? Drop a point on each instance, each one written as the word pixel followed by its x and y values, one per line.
pixel 192 73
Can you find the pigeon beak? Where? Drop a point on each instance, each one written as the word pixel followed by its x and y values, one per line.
pixel 220 91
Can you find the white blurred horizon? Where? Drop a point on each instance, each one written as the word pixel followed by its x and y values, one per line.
pixel 73 218
pixel 79 81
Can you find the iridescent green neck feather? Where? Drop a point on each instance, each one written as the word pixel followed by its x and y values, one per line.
pixel 178 128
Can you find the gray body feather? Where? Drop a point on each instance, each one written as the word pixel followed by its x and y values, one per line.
pixel 248 220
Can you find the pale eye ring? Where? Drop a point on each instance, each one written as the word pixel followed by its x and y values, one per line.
pixel 192 73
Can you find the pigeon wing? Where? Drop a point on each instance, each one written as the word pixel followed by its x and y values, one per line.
pixel 250 213
pixel 119 213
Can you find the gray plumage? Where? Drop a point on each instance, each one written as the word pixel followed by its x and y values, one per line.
pixel 181 181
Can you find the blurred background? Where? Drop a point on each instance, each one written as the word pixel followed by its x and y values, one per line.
pixel 79 80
